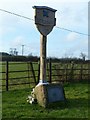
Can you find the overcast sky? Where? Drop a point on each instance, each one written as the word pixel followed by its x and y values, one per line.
pixel 16 31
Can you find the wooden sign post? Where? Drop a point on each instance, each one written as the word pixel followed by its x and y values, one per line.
pixel 43 42
pixel 45 21
pixel 46 93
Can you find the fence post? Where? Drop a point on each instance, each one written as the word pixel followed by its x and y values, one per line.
pixel 28 72
pixel 88 72
pixel 71 73
pixel 66 68
pixel 38 72
pixel 6 75
pixel 33 72
pixel 81 72
pixel 50 71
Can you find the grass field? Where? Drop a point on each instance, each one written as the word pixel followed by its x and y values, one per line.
pixel 15 105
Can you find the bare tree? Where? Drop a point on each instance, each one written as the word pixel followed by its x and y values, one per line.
pixel 83 56
pixel 13 51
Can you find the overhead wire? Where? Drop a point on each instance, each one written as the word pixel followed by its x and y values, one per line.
pixel 16 14
pixel 33 20
pixel 72 31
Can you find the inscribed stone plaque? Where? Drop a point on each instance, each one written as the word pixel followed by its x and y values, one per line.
pixel 55 94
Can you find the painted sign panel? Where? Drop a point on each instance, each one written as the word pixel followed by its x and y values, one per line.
pixel 44 19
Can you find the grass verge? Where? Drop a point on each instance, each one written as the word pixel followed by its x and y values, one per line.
pixel 15 106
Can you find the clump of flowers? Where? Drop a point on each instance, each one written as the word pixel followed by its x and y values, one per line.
pixel 32 98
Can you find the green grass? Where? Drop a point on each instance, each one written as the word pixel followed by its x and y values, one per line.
pixel 15 105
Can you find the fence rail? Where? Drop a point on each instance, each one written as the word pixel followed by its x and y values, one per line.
pixel 22 73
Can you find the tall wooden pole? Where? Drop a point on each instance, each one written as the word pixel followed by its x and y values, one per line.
pixel 43 41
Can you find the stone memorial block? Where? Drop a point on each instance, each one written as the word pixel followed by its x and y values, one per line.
pixel 49 93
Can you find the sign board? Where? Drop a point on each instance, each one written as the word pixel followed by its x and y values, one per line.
pixel 44 19
pixel 55 93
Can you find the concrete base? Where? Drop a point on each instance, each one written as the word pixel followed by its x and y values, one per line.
pixel 49 93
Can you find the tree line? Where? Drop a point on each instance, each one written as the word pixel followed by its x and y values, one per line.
pixel 8 57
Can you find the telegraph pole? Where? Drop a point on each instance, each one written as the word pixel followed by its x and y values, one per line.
pixel 23 49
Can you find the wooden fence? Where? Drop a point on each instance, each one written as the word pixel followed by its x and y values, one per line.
pixel 27 73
